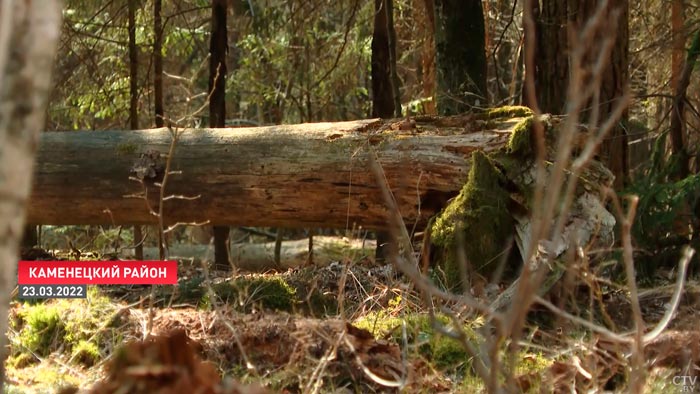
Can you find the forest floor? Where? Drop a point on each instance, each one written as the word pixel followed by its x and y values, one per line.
pixel 348 327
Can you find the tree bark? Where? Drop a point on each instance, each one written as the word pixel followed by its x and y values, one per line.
pixel 551 67
pixel 158 64
pixel 677 41
pixel 676 131
pixel 614 150
pixel 551 71
pixel 461 55
pixel 29 32
pixel 309 175
pixel 425 28
pixel 218 49
pixel 385 100
pixel 134 102
pixel 383 103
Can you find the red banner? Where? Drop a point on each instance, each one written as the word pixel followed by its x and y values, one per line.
pixel 97 273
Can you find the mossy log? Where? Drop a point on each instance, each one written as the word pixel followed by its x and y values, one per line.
pixel 492 210
pixel 307 175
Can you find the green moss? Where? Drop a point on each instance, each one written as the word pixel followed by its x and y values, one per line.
pixel 480 212
pixel 267 292
pixel 509 111
pixel 126 148
pixel 76 326
pixel 443 352
pixel 86 353
pixel 520 141
pixel 532 365
pixel 43 328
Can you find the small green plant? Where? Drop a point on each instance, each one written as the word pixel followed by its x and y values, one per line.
pixel 191 289
pixel 43 328
pixel 265 292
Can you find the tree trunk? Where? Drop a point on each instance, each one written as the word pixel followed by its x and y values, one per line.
pixel 217 105
pixel 309 175
pixel 461 55
pixel 678 41
pixel 614 150
pixel 29 32
pixel 425 26
pixel 395 81
pixel 158 64
pixel 134 103
pixel 385 102
pixel 551 68
pixel 551 71
pixel 676 131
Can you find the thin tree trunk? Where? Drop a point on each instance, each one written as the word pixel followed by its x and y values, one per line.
pixel 425 26
pixel 29 32
pixel 385 103
pixel 678 42
pixel 395 81
pixel 158 63
pixel 676 132
pixel 133 103
pixel 217 105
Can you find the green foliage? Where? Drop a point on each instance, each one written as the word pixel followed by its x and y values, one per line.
pixel 113 238
pixel 191 289
pixel 665 206
pixel 304 72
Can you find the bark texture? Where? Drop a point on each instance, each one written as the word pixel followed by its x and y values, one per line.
pixel 383 103
pixel 461 55
pixel 308 175
pixel 385 100
pixel 158 63
pixel 552 66
pixel 134 101
pixel 218 49
pixel 614 150
pixel 29 32
pixel 551 71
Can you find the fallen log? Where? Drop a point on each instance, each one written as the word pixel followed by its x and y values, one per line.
pixel 308 175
